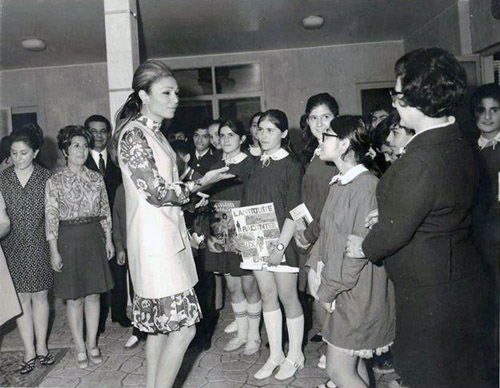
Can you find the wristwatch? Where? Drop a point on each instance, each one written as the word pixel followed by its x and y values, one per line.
pixel 280 247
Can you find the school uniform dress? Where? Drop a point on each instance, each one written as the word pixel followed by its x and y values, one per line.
pixel 77 215
pixel 159 253
pixel 25 247
pixel 423 236
pixel 278 179
pixel 315 189
pixel 9 302
pixel 363 322
pixel 230 190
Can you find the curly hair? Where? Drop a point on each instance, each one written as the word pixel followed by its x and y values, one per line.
pixel 66 135
pixel 30 134
pixel 432 81
pixel 485 91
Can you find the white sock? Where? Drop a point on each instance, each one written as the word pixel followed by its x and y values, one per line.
pixel 240 313
pixel 295 328
pixel 254 310
pixel 274 325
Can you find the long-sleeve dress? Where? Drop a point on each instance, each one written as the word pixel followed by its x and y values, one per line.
pixel 160 258
pixel 77 215
pixel 363 320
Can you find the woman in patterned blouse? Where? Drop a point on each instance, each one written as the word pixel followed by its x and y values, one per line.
pixel 160 258
pixel 78 226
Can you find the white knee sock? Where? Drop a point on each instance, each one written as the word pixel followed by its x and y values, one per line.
pixel 274 325
pixel 254 310
pixel 295 328
pixel 240 313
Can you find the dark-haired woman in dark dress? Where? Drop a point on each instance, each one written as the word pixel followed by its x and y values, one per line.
pixel 26 250
pixel 423 231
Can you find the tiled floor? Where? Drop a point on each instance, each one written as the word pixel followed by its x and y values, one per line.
pixel 126 368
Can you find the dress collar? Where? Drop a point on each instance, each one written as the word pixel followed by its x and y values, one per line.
pixel 349 176
pixel 235 160
pixel 149 123
pixel 278 155
pixel 483 142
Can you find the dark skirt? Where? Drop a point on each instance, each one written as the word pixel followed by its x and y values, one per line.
pixel 85 265
pixel 224 263
pixel 439 334
pixel 168 314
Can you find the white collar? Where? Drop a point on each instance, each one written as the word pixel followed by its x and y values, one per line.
pixel 278 155
pixel 255 150
pixel 198 155
pixel 349 176
pixel 95 155
pixel 450 120
pixel 236 159
pixel 316 152
pixel 482 142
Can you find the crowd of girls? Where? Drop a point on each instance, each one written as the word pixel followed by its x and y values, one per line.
pixel 378 257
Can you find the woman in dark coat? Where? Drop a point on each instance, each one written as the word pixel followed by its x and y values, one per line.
pixel 423 231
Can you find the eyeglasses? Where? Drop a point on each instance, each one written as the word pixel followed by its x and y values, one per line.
pixel 395 94
pixel 326 134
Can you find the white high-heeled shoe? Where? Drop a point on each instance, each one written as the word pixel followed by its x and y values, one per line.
pixel 268 369
pixel 288 368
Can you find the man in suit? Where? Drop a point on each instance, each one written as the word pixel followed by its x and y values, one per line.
pixel 203 156
pixel 100 160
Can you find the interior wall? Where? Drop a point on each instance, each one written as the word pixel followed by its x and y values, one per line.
pixel 67 95
pixel 442 31
pixel 291 76
pixel 63 96
pixel 485 30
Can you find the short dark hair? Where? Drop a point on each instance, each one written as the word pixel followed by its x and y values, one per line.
pixel 485 91
pixel 181 147
pixel 99 119
pixel 30 134
pixel 4 148
pixel 234 125
pixel 67 134
pixel 432 80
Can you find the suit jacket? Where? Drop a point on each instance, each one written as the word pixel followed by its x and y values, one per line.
pixel 425 200
pixel 112 179
pixel 204 164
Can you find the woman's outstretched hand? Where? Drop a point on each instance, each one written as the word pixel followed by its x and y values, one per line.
pixel 214 176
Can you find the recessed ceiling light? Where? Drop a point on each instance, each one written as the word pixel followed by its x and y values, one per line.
pixel 34 44
pixel 313 22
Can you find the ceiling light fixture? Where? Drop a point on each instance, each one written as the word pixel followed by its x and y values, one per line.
pixel 34 44
pixel 313 22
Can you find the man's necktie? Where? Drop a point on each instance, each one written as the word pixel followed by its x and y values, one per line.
pixel 102 166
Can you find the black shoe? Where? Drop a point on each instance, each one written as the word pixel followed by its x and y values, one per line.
pixel 123 322
pixel 317 338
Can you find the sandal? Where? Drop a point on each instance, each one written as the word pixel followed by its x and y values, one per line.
pixel 27 366
pixel 46 360
pixel 95 355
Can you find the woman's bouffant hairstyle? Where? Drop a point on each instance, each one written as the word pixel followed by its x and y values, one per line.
pixel 485 91
pixel 360 141
pixel 432 81
pixel 318 99
pixel 234 125
pixel 30 134
pixel 66 135
pixel 144 76
pixel 279 119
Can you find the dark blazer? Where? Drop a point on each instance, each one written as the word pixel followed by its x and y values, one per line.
pixel 425 200
pixel 112 179
pixel 204 164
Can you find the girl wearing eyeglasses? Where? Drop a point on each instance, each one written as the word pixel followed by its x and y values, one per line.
pixel 356 294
